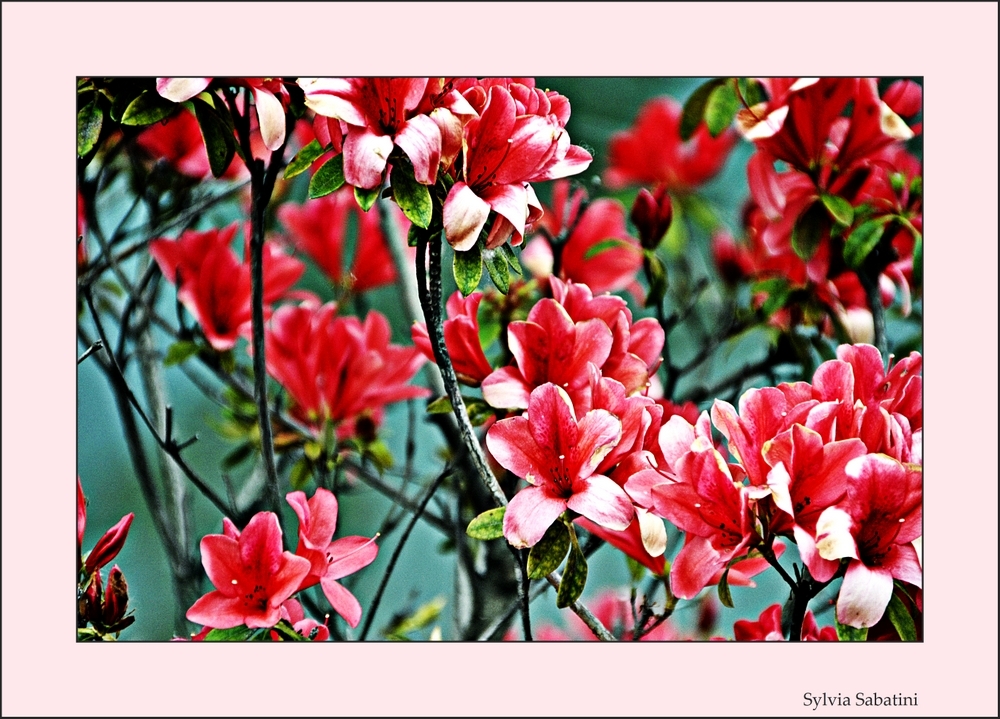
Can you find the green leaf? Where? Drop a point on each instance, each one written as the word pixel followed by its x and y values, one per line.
pixel 468 269
pixel 918 260
pixel 657 273
pixel 413 235
pixel 300 474
pixel 488 525
pixel 847 633
pixel 366 198
pixel 88 128
pixel 328 178
pixel 901 619
pixel 636 569
pixel 478 411
pixel 574 577
pixel 236 634
pixel 303 159
pixel 124 97
pixel 499 271
pixel 808 231
pixel 180 352
pixel 413 198
pixel 725 596
pixel 720 109
pixel 219 141
pixel 862 241
pixel 839 209
pixel 148 108
pixel 546 556
pixel 511 257
pixel 442 405
pixel 237 456
pixel 424 615
pixel 694 108
pixel 287 632
pixel 378 452
pixel 602 246
pixel 752 91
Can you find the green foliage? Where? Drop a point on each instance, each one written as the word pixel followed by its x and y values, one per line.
pixel 218 135
pixel 846 633
pixel 179 352
pixel 328 178
pixel 147 108
pixel 303 159
pixel 88 127
pixel 901 619
pixel 424 615
pixel 468 269
pixel 546 556
pixel 488 525
pixel 575 575
pixel 603 246
pixel 366 198
pixel 413 198
pixel 725 596
pixel 840 209
pixel 863 240
pixel 694 108
pixel 808 230
pixel 499 270
pixel 721 107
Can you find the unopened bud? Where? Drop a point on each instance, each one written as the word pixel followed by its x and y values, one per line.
pixel 109 545
pixel 652 214
pixel 115 598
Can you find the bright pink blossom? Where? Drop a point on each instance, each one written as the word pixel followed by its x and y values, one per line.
pixel 461 337
pixel 252 576
pixel 504 151
pixel 338 369
pixel 215 285
pixel 319 228
pixel 557 455
pixel 178 141
pixel 330 559
pixel 874 527
pixel 767 628
pixel 651 152
pixel 380 113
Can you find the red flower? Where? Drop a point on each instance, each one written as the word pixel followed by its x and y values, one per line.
pixel 337 368
pixel 461 337
pixel 252 576
pixel 178 141
pixel 506 148
pixel 319 228
pixel 330 559
pixel 875 526
pixel 767 628
pixel 651 151
pixel 380 112
pixel 215 286
pixel 558 455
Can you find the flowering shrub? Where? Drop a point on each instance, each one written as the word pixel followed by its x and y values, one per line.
pixel 714 423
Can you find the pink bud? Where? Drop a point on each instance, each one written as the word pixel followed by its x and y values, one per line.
pixel 652 214
pixel 109 545
pixel 115 598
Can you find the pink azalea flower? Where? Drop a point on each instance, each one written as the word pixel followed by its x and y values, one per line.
pixel 713 512
pixel 330 559
pixel 461 337
pixel 179 142
pixel 338 369
pixel 651 151
pixel 319 228
pixel 108 545
pixel 505 149
pixel 557 455
pixel 380 113
pixel 215 285
pixel 874 527
pixel 252 576
pixel 614 267
pixel 294 614
pixel 767 628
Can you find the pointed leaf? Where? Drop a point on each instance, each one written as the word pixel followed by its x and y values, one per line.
pixel 549 552
pixel 862 241
pixel 468 269
pixel 413 235
pixel 219 141
pixel 752 91
pixel 574 578
pixel 656 271
pixel 442 405
pixel 366 198
pixel 808 231
pixel 511 257
pixel 839 209
pixel 847 633
pixel 148 108
pixel 918 260
pixel 488 525
pixel 88 128
pixel 694 108
pixel 413 198
pixel 496 265
pixel 179 352
pixel 328 178
pixel 237 456
pixel 241 633
pixel 300 474
pixel 602 246
pixel 303 159
pixel 725 596
pixel 479 412
pixel 287 632
pixel 720 109
pixel 901 619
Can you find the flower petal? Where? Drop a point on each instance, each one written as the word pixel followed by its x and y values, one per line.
pixel 342 601
pixel 464 216
pixel 864 595
pixel 529 514
pixel 601 500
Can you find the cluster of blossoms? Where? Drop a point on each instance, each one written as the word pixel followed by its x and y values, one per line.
pixel 102 605
pixel 847 201
pixel 255 577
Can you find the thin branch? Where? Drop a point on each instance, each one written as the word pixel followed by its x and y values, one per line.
pixel 90 350
pixel 377 599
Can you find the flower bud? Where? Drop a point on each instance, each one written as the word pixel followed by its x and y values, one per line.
pixel 115 599
pixel 89 609
pixel 651 214
pixel 109 545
